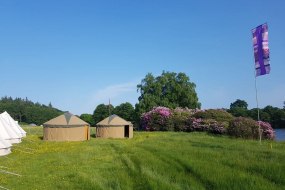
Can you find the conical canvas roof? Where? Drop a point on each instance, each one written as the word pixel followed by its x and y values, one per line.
pixel 113 120
pixel 7 131
pixel 13 124
pixel 65 120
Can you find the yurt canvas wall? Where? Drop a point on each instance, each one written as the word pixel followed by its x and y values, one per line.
pixel 66 127
pixel 114 127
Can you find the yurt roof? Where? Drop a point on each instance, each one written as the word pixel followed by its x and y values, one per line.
pixel 113 120
pixel 65 120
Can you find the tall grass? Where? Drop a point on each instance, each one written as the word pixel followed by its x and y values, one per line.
pixel 151 160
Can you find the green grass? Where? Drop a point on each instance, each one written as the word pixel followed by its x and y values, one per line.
pixel 151 160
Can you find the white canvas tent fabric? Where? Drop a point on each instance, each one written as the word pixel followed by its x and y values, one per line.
pixel 16 127
pixel 8 133
pixel 5 148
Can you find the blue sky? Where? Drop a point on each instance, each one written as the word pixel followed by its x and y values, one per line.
pixel 78 54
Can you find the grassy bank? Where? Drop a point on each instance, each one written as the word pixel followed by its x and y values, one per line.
pixel 160 160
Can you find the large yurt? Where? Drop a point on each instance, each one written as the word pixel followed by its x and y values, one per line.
pixel 66 127
pixel 114 127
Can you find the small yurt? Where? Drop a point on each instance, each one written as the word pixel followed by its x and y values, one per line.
pixel 114 127
pixel 66 127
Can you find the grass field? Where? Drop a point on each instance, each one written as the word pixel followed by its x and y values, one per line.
pixel 152 160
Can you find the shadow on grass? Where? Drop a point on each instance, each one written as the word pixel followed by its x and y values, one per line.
pixel 41 137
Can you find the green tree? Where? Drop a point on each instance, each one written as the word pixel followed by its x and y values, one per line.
pixel 239 108
pixel 88 118
pixel 277 116
pixel 264 116
pixel 239 104
pixel 126 111
pixel 169 90
pixel 101 112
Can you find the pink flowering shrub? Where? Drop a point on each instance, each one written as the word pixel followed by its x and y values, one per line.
pixel 208 125
pixel 243 128
pixel 179 119
pixel 195 124
pixel 155 119
pixel 218 115
pixel 267 130
pixel 248 128
pixel 211 121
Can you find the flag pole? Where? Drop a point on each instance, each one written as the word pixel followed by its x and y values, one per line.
pixel 109 107
pixel 257 106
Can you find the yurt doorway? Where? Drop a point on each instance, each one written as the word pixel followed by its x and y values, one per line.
pixel 127 131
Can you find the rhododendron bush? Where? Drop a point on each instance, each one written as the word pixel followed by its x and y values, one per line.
pixel 211 121
pixel 248 128
pixel 267 130
pixel 155 119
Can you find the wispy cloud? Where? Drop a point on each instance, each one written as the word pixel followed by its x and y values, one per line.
pixel 117 93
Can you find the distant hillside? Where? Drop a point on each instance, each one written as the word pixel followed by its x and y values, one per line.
pixel 24 110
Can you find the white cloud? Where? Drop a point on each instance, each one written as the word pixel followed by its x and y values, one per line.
pixel 117 93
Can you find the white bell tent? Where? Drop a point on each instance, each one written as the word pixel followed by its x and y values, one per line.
pixel 13 124
pixel 8 133
pixel 5 146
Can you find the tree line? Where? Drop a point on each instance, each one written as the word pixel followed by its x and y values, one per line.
pixel 273 115
pixel 26 111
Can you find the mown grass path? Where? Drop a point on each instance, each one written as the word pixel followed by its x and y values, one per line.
pixel 152 160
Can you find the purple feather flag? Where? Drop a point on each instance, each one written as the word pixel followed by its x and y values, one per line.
pixel 261 50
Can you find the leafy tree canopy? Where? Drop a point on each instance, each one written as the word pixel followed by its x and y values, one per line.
pixel 125 111
pixel 88 118
pixel 170 90
pixel 239 108
pixel 239 104
pixel 102 111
